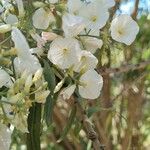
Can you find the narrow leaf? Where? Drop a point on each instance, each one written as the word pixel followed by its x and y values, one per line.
pixel 69 124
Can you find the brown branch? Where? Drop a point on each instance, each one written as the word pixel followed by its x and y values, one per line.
pixel 114 9
pixel 92 135
pixel 87 125
pixel 125 68
pixel 135 11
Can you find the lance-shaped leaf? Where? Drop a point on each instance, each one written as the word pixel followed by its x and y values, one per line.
pixel 69 124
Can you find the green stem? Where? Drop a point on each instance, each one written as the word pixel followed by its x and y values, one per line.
pixel 34 127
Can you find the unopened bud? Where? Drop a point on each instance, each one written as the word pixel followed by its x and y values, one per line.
pixel 49 36
pixel 38 4
pixel 38 75
pixel 41 96
pixel 28 83
pixel 5 28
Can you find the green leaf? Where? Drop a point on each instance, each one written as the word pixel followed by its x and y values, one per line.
pixel 92 110
pixel 69 124
pixel 48 109
pixel 49 76
pixel 51 99
pixel 34 127
pixel 78 127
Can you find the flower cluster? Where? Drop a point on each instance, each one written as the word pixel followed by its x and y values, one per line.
pixel 67 36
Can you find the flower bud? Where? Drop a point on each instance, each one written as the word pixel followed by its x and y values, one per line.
pixel 5 28
pixel 38 4
pixel 49 36
pixel 68 91
pixel 40 97
pixel 37 75
pixel 28 83
pixel 59 86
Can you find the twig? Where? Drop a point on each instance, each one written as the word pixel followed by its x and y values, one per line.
pixel 130 85
pixel 135 12
pixel 92 135
pixel 125 68
pixel 87 125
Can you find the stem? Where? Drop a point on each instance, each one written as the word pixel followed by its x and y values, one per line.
pixel 87 35
pixel 87 125
pixel 34 127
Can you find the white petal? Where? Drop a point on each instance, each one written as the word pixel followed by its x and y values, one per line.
pixel 25 60
pixel 31 65
pixel 49 36
pixel 11 19
pixel 5 137
pixel 41 19
pixel 95 18
pixel 124 29
pixel 64 52
pixel 92 44
pixel 5 79
pixel 53 1
pixel 92 85
pixel 20 43
pixel 68 91
pixel 40 97
pixel 72 25
pixel 75 5
pixel 5 28
pixel 88 61
pixel 20 122
pixel 104 3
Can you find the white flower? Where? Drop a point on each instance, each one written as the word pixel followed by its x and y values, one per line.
pixel 74 6
pixel 94 12
pixel 20 122
pixel 53 1
pixel 88 61
pixel 91 85
pixel 41 96
pixel 25 60
pixel 31 65
pixel 64 52
pixel 5 137
pixel 95 17
pixel 72 25
pixel 41 18
pixel 92 44
pixel 5 79
pixel 68 91
pixel 124 29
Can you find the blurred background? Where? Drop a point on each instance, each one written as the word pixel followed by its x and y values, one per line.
pixel 121 116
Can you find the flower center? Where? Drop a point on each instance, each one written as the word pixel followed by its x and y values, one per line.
pixel 65 51
pixel 94 18
pixel 120 32
pixel 83 59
